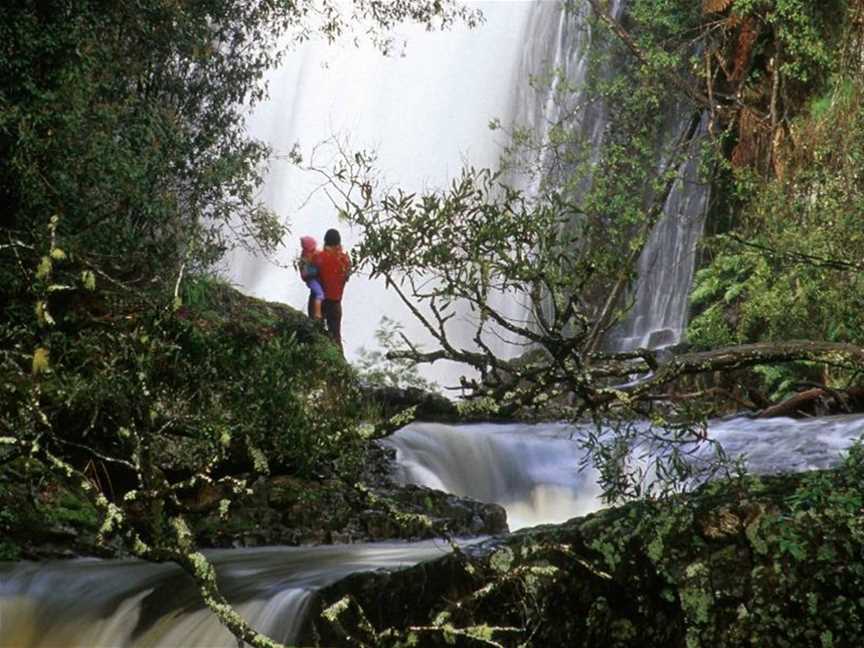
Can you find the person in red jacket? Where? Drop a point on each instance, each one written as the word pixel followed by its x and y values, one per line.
pixel 333 268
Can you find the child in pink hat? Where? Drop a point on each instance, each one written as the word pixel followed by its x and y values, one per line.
pixel 309 274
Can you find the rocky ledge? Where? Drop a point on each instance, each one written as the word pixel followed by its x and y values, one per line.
pixel 285 510
pixel 281 510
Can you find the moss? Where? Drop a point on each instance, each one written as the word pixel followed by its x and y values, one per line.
pixel 502 560
pixel 609 551
pixel 696 595
pixel 623 630
pixel 755 537
pixel 67 508
pixel 9 550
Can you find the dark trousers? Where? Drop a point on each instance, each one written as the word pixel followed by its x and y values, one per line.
pixel 333 317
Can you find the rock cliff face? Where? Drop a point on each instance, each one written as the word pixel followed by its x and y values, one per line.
pixel 766 562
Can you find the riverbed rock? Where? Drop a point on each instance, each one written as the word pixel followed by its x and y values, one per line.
pixel 48 523
pixel 429 405
pixel 58 522
pixel 286 510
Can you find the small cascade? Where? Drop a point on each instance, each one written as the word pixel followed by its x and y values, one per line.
pixel 94 603
pixel 533 471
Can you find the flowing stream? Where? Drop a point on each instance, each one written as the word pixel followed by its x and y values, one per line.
pixel 90 603
pixel 533 471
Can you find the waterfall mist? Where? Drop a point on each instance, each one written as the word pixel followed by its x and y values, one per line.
pixel 425 111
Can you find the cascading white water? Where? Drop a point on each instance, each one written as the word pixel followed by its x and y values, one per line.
pixel 533 471
pixel 562 42
pixel 659 315
pixel 97 603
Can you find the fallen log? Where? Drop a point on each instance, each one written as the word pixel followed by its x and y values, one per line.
pixel 670 366
pixel 800 404
pixel 818 401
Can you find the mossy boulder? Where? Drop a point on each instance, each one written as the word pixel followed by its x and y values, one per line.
pixel 47 520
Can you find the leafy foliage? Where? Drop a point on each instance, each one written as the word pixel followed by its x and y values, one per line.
pixel 791 269
pixel 125 167
pixel 378 368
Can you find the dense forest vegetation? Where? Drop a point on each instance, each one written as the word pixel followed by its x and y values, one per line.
pixel 139 391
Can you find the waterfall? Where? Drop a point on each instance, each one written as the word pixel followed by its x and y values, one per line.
pixel 660 304
pixel 659 315
pixel 660 297
pixel 560 45
pixel 426 113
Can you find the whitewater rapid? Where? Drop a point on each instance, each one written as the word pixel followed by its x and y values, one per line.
pixel 539 473
pixel 90 603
